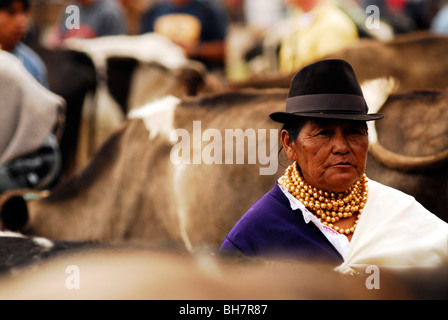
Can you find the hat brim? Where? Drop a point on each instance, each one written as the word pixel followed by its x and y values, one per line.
pixel 284 117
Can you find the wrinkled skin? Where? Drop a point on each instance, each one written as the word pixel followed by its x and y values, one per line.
pixel 331 154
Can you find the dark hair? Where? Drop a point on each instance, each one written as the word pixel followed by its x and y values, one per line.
pixel 294 127
pixel 7 3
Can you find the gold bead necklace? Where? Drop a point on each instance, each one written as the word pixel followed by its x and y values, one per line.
pixel 328 207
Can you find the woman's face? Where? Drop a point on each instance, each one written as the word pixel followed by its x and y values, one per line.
pixel 332 154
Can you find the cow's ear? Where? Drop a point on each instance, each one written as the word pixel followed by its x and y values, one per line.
pixel 14 213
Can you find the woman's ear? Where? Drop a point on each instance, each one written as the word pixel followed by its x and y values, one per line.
pixel 288 146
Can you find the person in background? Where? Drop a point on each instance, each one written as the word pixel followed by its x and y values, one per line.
pixel 318 28
pixel 14 22
pixel 97 18
pixel 134 10
pixel 199 27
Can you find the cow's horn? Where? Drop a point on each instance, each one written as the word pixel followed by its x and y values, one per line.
pixel 377 91
pixel 407 163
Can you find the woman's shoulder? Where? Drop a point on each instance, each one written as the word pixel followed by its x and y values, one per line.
pixel 273 208
pixel 378 189
pixel 390 201
pixel 272 205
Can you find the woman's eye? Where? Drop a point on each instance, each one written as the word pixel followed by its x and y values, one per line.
pixel 358 131
pixel 323 133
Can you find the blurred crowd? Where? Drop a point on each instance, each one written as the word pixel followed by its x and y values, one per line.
pixel 232 30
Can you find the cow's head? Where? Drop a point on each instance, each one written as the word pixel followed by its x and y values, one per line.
pixel 134 83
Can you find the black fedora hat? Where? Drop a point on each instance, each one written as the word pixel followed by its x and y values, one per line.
pixel 326 89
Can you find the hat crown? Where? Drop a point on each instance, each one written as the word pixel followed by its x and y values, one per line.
pixel 326 89
pixel 326 77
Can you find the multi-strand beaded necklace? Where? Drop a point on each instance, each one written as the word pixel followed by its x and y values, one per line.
pixel 328 207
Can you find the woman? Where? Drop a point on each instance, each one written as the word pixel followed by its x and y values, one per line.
pixel 324 206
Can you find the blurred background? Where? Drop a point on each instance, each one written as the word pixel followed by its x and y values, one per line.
pixel 256 27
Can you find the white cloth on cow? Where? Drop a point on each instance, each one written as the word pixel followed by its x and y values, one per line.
pixel 149 47
pixel 395 231
pixel 29 112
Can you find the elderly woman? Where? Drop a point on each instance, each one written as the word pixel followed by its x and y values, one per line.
pixel 324 207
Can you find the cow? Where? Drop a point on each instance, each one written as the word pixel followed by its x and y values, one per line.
pixel 132 273
pixel 162 178
pixel 134 177
pixel 71 75
pixel 409 147
pixel 19 251
pixel 143 67
pixel 418 61
pixel 103 79
pixel 123 273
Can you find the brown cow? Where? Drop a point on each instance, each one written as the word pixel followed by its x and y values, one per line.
pixel 144 187
pixel 412 153
pixel 102 79
pixel 134 190
pixel 124 273
pixel 417 60
pixel 40 268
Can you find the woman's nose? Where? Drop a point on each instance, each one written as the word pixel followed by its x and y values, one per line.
pixel 340 143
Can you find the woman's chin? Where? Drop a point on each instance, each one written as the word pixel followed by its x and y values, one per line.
pixel 341 181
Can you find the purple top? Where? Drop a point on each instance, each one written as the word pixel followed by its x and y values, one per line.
pixel 271 228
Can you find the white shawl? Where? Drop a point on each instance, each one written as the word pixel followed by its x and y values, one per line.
pixel 394 231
